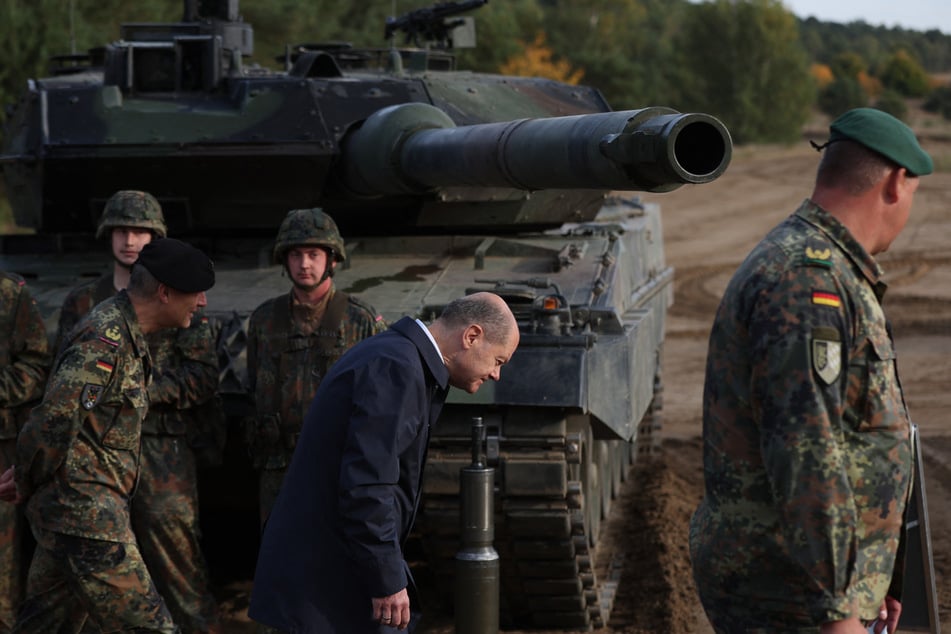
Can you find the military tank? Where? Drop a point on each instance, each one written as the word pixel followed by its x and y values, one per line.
pixel 443 182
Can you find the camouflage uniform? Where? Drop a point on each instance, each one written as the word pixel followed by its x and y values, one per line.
pixel 807 452
pixel 24 362
pixel 78 463
pixel 80 301
pixel 165 509
pixel 290 348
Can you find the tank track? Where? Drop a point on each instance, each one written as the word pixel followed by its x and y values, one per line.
pixel 554 492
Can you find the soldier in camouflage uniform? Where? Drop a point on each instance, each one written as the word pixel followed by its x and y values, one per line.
pixel 24 362
pixel 184 382
pixel 807 440
pixel 130 220
pixel 293 340
pixel 78 455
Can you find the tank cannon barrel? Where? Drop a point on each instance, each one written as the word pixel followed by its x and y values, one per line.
pixel 414 148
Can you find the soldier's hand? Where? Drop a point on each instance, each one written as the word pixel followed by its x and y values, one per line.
pixel 8 487
pixel 889 614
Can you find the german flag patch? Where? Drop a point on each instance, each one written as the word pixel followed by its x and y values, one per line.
pixel 104 365
pixel 824 298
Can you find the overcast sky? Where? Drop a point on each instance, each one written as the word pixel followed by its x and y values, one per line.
pixel 920 15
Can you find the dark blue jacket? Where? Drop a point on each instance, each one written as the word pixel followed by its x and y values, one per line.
pixel 334 538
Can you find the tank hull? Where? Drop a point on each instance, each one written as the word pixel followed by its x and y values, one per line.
pixel 442 183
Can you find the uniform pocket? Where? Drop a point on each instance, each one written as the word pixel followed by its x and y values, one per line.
pixel 125 430
pixel 873 394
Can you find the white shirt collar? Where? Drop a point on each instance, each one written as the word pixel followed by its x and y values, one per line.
pixel 430 335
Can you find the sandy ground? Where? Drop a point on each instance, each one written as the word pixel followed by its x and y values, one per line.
pixel 708 230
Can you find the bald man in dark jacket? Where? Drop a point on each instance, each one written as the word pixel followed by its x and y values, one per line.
pixel 331 555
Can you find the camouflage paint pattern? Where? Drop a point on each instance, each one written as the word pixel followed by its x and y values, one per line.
pixel 165 509
pixel 285 366
pixel 79 585
pixel 807 452
pixel 24 363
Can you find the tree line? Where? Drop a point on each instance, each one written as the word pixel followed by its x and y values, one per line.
pixel 751 63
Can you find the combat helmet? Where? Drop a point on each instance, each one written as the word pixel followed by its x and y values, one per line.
pixel 131 208
pixel 308 227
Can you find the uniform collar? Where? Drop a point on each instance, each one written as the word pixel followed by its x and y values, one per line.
pixel 840 235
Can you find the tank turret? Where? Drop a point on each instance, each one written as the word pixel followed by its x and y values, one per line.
pixel 441 182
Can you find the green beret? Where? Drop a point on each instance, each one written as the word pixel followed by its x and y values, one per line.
pixel 178 264
pixel 883 133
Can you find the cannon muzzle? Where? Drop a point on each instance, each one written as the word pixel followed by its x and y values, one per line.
pixel 414 148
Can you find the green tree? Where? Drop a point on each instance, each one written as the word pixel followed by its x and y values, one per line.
pixel 623 46
pixel 747 66
pixel 25 39
pixel 893 103
pixel 902 73
pixel 501 27
pixel 842 94
pixel 939 101
pixel 848 64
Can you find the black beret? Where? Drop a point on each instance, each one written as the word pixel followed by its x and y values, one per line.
pixel 883 133
pixel 178 264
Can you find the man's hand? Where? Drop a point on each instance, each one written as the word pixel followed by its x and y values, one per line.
pixel 392 611
pixel 888 616
pixel 8 487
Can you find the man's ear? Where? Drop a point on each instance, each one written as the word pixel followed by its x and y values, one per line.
pixel 894 183
pixel 163 293
pixel 470 335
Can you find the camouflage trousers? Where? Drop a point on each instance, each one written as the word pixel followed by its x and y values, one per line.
pixel 73 579
pixel 269 485
pixel 165 522
pixel 731 615
pixel 16 549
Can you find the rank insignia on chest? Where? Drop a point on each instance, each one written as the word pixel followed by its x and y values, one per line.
pixel 90 395
pixel 826 354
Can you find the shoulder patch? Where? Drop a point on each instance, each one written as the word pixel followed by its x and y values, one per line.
pixel 826 352
pixel 112 336
pixel 90 395
pixel 825 298
pixel 104 365
pixel 817 254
